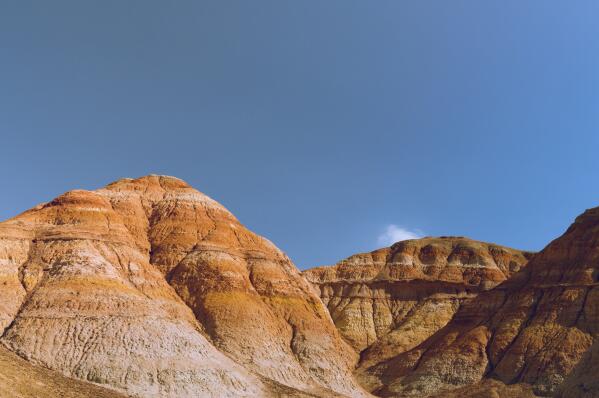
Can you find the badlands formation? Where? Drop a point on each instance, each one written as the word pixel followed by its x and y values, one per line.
pixel 391 300
pixel 148 288
pixel 153 289
pixel 539 328
pixel 536 334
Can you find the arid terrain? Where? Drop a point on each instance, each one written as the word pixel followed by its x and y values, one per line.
pixel 391 300
pixel 149 288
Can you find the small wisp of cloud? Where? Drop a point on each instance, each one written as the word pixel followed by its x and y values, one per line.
pixel 395 233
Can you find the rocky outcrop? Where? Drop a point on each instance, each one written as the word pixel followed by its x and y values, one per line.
pixel 539 328
pixel 152 288
pixel 391 300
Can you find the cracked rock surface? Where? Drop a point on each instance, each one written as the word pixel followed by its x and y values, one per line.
pixel 152 288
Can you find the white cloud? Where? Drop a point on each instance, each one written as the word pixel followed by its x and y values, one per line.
pixel 394 233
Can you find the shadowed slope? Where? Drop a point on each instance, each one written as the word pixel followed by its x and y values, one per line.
pixel 537 328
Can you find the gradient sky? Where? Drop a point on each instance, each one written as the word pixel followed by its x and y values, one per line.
pixel 330 127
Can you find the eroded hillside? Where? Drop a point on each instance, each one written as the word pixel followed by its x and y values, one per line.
pixel 391 300
pixel 538 329
pixel 152 288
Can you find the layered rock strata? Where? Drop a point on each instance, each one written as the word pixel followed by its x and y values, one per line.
pixel 539 328
pixel 152 288
pixel 391 300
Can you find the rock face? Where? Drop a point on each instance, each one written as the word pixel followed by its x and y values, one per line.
pixel 152 288
pixel 391 300
pixel 539 328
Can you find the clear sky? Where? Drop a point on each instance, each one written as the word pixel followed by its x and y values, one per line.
pixel 331 127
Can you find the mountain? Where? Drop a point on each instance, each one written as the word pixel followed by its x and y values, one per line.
pixel 391 300
pixel 151 288
pixel 540 328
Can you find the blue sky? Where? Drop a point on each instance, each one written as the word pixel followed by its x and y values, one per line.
pixel 331 127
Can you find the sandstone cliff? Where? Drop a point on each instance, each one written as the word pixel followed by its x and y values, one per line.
pixel 539 328
pixel 152 288
pixel 390 300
